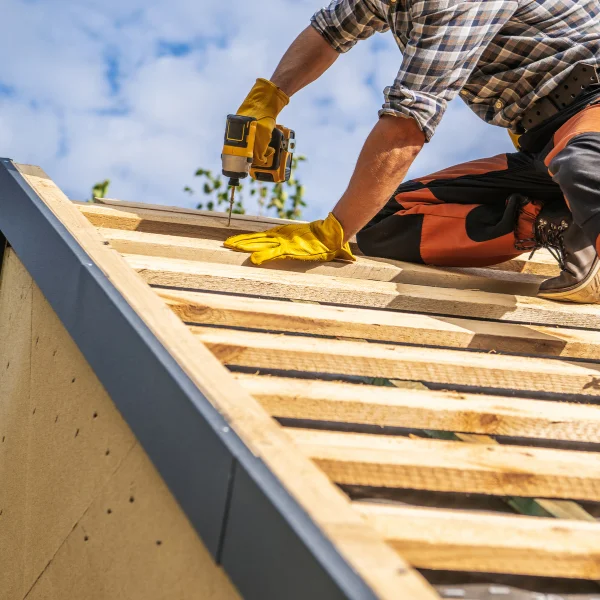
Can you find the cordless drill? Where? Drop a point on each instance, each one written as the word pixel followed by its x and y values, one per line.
pixel 238 150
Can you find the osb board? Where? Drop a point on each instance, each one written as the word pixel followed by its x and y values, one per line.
pixel 133 543
pixel 64 443
pixel 15 354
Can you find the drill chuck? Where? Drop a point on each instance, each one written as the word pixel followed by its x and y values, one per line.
pixel 237 167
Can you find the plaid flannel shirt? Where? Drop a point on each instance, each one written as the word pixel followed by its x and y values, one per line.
pixel 500 55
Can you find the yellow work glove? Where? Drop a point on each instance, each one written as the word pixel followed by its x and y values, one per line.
pixel 264 102
pixel 319 240
pixel 515 139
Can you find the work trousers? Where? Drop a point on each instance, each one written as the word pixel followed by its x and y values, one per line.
pixel 461 216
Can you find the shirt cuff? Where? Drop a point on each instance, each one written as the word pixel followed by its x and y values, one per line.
pixel 330 34
pixel 425 109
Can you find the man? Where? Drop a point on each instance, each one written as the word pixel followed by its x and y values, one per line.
pixel 526 65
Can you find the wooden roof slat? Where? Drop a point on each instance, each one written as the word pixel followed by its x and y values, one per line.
pixel 165 221
pixel 398 462
pixel 193 212
pixel 213 251
pixel 423 409
pixel 272 351
pixel 557 508
pixel 360 323
pixel 432 538
pixel 355 292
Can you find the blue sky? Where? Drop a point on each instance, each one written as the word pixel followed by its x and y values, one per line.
pixel 137 91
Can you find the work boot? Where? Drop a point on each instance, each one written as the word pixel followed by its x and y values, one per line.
pixel 579 279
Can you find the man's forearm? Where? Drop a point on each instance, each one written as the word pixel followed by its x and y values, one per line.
pixel 307 59
pixel 383 163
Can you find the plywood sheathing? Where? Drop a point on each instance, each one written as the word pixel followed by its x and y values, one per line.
pixel 16 299
pixel 82 507
pixel 133 542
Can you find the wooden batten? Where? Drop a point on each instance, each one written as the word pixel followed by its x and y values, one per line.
pixel 430 318
pixel 336 402
pixel 390 461
pixel 470 541
pixel 379 325
pixel 268 283
pixel 353 358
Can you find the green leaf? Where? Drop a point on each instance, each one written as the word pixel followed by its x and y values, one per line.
pixel 100 189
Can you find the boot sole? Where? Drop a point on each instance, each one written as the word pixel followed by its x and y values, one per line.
pixel 587 292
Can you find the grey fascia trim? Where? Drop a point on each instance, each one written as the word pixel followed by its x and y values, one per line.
pixel 189 442
pixel 3 244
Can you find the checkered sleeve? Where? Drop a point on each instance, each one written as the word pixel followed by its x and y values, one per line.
pixel 345 22
pixel 447 39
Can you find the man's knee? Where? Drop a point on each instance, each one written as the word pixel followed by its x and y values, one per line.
pixel 576 169
pixel 578 163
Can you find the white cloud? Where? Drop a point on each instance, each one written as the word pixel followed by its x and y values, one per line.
pixel 91 97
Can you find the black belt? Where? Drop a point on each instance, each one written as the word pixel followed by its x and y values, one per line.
pixel 580 78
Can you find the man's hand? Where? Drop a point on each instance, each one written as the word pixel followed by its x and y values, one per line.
pixel 319 241
pixel 264 102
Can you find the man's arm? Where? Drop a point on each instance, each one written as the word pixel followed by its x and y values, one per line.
pixel 384 161
pixel 388 152
pixel 306 60
pixel 386 156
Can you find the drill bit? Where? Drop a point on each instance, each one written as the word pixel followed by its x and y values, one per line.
pixel 231 200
